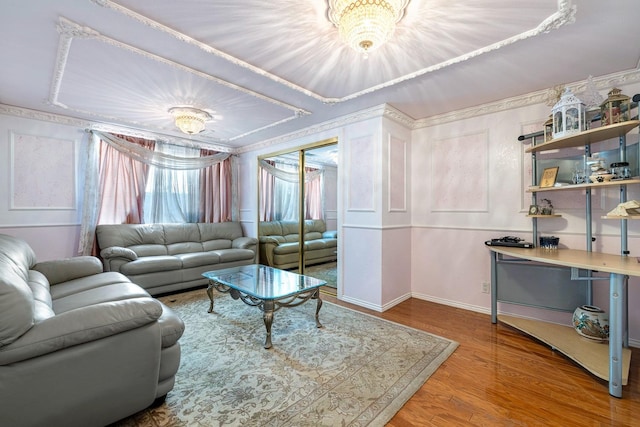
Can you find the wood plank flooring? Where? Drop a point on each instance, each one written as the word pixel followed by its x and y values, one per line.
pixel 499 376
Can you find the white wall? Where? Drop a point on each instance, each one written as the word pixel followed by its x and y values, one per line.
pixel 469 179
pixel 464 182
pixel 41 183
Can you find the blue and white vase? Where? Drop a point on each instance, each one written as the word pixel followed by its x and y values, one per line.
pixel 591 322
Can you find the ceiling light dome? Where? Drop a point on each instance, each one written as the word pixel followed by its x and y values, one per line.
pixel 190 120
pixel 366 24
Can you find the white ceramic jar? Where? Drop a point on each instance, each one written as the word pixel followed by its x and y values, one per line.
pixel 591 322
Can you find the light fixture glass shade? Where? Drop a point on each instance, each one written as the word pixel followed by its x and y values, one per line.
pixel 366 24
pixel 189 120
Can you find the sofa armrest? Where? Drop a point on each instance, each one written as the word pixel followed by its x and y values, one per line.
pixel 330 234
pixel 63 270
pixel 244 242
pixel 80 326
pixel 118 252
pixel 115 257
pixel 272 239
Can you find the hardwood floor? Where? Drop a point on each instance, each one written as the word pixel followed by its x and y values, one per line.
pixel 499 376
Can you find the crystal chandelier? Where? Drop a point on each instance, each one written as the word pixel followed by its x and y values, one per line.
pixel 366 24
pixel 189 120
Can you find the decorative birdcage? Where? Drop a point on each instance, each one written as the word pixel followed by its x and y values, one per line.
pixel 568 115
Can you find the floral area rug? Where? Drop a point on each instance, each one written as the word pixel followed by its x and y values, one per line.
pixel 357 370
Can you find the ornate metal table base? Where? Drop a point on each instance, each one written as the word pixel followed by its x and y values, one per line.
pixel 267 306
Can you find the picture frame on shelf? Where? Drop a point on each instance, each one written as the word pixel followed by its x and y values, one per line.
pixel 549 176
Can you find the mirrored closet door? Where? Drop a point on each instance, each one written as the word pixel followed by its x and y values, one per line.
pixel 298 197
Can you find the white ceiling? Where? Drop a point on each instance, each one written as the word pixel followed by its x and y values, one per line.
pixel 267 68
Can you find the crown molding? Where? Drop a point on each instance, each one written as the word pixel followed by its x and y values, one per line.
pixel 605 83
pixel 59 119
pixel 26 113
pixel 383 110
pixel 540 97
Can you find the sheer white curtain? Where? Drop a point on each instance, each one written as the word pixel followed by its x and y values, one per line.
pixel 285 190
pixel 92 196
pixel 173 195
pixel 286 196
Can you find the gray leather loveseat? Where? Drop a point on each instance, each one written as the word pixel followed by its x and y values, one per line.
pixel 79 347
pixel 279 243
pixel 170 257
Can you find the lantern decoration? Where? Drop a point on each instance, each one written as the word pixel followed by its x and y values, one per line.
pixel 616 108
pixel 568 115
pixel 548 129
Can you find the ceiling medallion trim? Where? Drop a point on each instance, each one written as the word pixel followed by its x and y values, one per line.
pixel 566 14
pixel 203 46
pixel 69 30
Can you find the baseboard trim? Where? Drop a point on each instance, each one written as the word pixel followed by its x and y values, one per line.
pixel 484 310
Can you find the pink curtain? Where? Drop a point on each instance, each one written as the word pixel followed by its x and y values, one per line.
pixel 122 184
pixel 313 197
pixel 216 194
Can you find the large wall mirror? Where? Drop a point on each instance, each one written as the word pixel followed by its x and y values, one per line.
pixel 297 210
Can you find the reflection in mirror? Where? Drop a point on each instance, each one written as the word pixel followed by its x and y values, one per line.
pixel 283 201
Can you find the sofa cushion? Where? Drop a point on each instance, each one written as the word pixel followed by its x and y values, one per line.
pixel 184 248
pixel 39 286
pixel 313 235
pixel 65 269
pixel 198 259
pixel 291 238
pixel 212 245
pixel 79 326
pixel 17 254
pixel 232 255
pixel 149 250
pixel 286 248
pixel 220 230
pixel 315 225
pixel 127 235
pixel 85 283
pixel 179 233
pixel 290 227
pixel 16 305
pixel 270 228
pixel 149 264
pixel 312 245
pixel 114 292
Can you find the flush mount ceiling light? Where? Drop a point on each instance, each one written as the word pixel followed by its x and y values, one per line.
pixel 366 24
pixel 190 120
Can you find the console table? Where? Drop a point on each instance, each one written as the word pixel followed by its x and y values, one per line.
pixel 618 267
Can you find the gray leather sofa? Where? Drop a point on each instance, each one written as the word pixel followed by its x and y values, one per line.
pixel 279 243
pixel 170 257
pixel 79 347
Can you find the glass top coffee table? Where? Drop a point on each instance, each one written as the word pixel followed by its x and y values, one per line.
pixel 267 288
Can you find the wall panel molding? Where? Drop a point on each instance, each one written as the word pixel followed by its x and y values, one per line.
pixel 43 173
